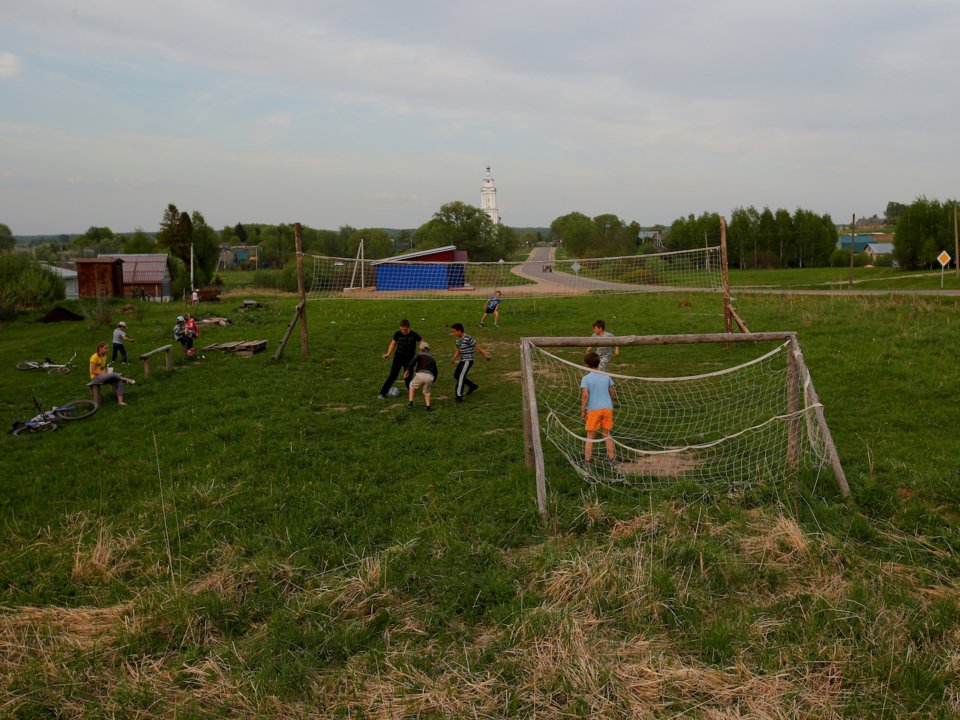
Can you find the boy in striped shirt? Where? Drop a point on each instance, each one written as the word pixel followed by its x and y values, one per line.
pixel 463 358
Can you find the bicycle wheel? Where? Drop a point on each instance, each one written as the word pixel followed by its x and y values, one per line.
pixel 28 365
pixel 75 410
pixel 61 370
pixel 34 429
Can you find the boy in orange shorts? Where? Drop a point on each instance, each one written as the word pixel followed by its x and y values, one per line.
pixel 596 407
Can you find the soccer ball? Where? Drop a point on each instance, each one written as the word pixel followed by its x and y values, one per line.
pixel 393 392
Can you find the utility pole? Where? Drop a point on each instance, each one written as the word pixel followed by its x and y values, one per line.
pixel 853 242
pixel 956 242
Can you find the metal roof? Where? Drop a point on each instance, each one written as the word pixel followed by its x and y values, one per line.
pixel 418 254
pixel 143 268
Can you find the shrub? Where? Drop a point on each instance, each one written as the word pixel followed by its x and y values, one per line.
pixel 28 283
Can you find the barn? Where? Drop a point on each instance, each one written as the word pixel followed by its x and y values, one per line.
pixel 434 269
pixel 145 276
pixel 100 277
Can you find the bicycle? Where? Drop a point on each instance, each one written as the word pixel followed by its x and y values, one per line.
pixel 49 365
pixel 46 421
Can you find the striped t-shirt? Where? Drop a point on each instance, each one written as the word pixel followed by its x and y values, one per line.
pixel 467 345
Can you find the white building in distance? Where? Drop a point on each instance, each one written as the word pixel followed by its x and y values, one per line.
pixel 488 197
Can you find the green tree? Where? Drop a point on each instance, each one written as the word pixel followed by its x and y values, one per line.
pixel 786 240
pixel 27 282
pixel 924 228
pixel 175 231
pixel 576 233
pixel 100 239
pixel 467 228
pixel 376 243
pixel 205 249
pixel 241 232
pixel 7 241
pixel 139 242
pixel 743 234
pixel 894 211
pixel 694 232
pixel 507 240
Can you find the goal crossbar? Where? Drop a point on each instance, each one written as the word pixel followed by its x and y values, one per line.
pixel 801 404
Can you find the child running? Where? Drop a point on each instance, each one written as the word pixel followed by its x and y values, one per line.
pixel 119 337
pixel 463 358
pixel 421 373
pixel 596 407
pixel 492 307
pixel 606 352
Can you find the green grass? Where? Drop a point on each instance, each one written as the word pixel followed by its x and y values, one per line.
pixel 876 278
pixel 259 538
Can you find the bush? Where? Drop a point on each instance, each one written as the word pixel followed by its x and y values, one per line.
pixel 265 279
pixel 841 258
pixel 27 283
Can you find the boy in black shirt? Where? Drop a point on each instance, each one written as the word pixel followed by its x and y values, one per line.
pixel 403 347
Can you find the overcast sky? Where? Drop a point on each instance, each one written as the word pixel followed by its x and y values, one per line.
pixel 371 114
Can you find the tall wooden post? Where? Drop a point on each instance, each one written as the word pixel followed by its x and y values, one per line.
pixel 956 243
pixel 301 289
pixel 793 406
pixel 725 269
pixel 531 429
pixel 853 243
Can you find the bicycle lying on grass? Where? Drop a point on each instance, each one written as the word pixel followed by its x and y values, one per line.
pixel 49 365
pixel 46 421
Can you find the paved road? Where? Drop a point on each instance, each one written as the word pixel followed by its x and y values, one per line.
pixel 561 282
pixel 557 281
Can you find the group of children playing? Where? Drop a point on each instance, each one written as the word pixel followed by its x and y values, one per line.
pixel 419 370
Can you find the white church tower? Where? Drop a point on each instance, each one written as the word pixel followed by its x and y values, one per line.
pixel 488 197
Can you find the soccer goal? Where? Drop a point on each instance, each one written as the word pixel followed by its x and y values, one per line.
pixel 444 273
pixel 757 419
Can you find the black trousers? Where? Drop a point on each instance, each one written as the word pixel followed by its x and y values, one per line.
pixel 396 369
pixel 460 377
pixel 119 348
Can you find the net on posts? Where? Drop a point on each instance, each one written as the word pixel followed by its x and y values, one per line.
pixel 423 277
pixel 734 426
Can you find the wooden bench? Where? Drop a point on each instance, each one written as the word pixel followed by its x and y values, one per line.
pixel 95 389
pixel 168 349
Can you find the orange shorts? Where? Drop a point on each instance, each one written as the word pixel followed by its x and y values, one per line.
pixel 600 420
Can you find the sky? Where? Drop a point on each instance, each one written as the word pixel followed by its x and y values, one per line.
pixel 375 114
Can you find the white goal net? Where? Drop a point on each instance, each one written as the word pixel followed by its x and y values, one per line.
pixel 443 274
pixel 755 420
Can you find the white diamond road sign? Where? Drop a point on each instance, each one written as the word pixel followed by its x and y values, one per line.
pixel 944 258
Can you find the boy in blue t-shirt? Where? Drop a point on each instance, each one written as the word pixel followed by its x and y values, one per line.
pixel 596 407
pixel 492 306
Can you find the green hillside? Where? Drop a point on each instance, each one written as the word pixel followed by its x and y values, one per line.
pixel 250 538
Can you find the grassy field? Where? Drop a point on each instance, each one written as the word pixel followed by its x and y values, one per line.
pixel 864 278
pixel 251 538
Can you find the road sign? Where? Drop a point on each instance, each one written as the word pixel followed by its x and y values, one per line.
pixel 944 258
pixel 576 267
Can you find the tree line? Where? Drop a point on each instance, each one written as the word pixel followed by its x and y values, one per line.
pixel 755 238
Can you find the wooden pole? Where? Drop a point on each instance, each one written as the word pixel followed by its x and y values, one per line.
pixel 286 336
pixel 793 405
pixel 956 243
pixel 301 290
pixel 727 317
pixel 814 399
pixel 630 340
pixel 532 417
pixel 853 243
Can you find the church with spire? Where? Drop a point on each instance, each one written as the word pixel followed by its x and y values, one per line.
pixel 488 197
